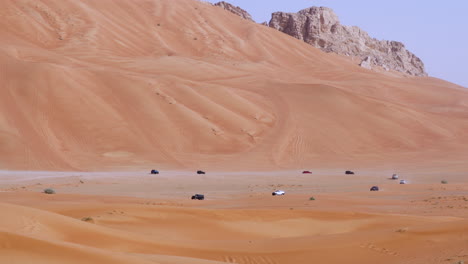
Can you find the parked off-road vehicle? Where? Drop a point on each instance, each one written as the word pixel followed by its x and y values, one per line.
pixel 198 197
pixel 278 192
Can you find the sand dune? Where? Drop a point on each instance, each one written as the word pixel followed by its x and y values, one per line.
pixel 128 86
pixel 120 85
pixel 49 229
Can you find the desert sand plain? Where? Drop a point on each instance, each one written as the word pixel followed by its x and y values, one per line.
pixel 94 94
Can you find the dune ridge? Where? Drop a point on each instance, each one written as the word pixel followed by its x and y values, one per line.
pixel 117 85
pixel 129 230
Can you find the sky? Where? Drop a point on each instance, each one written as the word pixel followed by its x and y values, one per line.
pixel 436 31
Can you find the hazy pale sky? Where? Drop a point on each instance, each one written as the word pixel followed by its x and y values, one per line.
pixel 436 31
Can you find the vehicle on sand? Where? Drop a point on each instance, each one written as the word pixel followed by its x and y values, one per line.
pixel 349 172
pixel 154 172
pixel 278 192
pixel 200 172
pixel 395 177
pixel 306 172
pixel 403 182
pixel 198 197
pixel 374 188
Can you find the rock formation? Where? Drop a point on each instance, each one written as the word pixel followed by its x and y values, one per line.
pixel 366 63
pixel 235 10
pixel 320 27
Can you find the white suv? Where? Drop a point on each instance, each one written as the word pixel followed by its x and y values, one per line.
pixel 278 192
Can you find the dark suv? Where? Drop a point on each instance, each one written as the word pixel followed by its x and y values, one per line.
pixel 198 197
pixel 154 172
pixel 374 188
pixel 349 172
pixel 200 172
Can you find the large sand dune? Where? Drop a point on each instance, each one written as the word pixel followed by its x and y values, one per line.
pixel 177 85
pixel 124 84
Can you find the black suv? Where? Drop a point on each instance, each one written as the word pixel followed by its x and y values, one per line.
pixel 349 172
pixel 374 188
pixel 154 172
pixel 198 197
pixel 200 172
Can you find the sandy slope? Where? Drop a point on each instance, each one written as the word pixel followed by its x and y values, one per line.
pixel 124 84
pixel 416 223
pixel 120 85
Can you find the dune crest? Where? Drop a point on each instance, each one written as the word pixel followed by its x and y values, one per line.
pixel 89 85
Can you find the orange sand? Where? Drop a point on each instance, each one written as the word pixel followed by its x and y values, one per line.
pixel 121 85
pixel 128 86
pixel 239 222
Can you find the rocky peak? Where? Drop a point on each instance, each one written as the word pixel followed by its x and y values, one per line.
pixel 235 10
pixel 320 27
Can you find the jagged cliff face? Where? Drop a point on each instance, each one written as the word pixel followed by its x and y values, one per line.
pixel 235 10
pixel 320 27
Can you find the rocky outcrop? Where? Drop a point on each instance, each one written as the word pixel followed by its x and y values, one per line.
pixel 235 10
pixel 366 63
pixel 320 27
